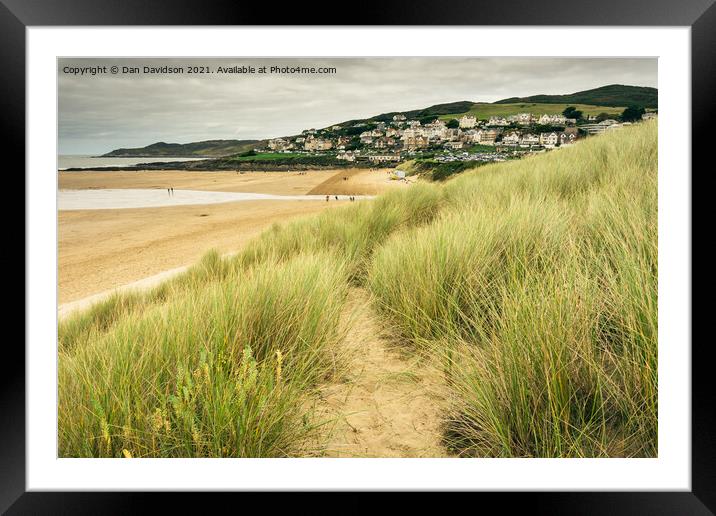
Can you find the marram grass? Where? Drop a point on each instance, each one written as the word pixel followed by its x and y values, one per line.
pixel 532 283
pixel 537 288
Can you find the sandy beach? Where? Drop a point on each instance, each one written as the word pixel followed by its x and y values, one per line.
pixel 102 249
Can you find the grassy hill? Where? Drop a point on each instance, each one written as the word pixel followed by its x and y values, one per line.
pixel 611 95
pixel 530 285
pixel 484 111
pixel 208 148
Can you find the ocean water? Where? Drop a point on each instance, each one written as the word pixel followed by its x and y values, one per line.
pixel 65 161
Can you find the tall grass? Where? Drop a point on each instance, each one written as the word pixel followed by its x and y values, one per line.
pixel 189 368
pixel 538 289
pixel 533 283
pixel 221 370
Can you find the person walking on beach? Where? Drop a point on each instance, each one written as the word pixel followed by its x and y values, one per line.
pixel 172 191
pixel 168 193
pixel 336 197
pixel 327 197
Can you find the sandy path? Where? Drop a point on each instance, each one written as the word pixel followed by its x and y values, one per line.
pixel 387 405
pixel 100 250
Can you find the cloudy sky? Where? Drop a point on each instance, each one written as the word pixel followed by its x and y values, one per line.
pixel 101 112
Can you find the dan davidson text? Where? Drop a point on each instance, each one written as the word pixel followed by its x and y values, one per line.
pixel 166 70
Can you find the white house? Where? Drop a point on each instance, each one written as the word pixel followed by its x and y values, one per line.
pixel 382 158
pixel 567 139
pixel 467 122
pixel 498 121
pixel 399 118
pixel 529 139
pixel 548 139
pixel 511 139
pixel 552 119
pixel 524 118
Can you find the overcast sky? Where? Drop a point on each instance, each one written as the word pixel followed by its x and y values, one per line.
pixel 98 113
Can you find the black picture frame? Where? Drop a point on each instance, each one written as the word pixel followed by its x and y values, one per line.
pixel 700 15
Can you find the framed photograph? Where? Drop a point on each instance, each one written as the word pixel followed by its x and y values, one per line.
pixel 431 251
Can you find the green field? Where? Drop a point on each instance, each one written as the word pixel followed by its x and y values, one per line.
pixel 485 111
pixel 530 285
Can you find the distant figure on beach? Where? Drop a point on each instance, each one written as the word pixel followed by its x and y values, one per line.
pixel 172 189
pixel 168 192
pixel 336 197
pixel 327 197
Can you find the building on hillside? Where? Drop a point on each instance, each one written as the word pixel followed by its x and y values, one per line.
pixel 511 139
pixel 467 121
pixel 317 144
pixel 567 138
pixel 524 118
pixel 599 127
pixel 383 158
pixel 454 145
pixel 279 144
pixel 452 134
pixel 346 156
pixel 399 118
pixel 498 121
pixel 527 140
pixel 488 136
pixel 548 139
pixel 552 120
pixel 366 138
pixel 412 141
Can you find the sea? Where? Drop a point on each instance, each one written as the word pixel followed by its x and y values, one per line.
pixel 65 161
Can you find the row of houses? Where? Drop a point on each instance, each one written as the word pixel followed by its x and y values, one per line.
pixel 386 139
pixel 529 119
pixel 547 140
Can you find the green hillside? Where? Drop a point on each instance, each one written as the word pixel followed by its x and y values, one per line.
pixel 611 95
pixel 208 148
pixel 484 111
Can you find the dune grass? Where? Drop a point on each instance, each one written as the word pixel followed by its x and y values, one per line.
pixel 220 370
pixel 537 288
pixel 532 283
pixel 189 367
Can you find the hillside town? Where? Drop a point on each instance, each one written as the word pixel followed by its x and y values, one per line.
pixel 465 138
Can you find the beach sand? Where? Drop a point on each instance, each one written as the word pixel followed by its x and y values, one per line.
pixel 101 250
